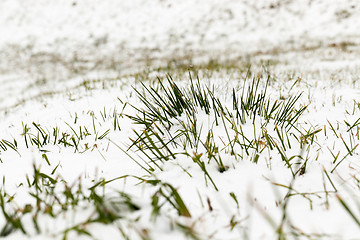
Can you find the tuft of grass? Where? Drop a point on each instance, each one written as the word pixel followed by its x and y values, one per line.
pixel 54 197
pixel 170 126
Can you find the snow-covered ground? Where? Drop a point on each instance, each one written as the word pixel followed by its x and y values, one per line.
pixel 69 71
pixel 46 45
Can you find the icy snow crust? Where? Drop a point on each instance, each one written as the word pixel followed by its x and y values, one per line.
pixel 75 65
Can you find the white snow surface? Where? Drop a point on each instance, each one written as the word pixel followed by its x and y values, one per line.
pixel 49 48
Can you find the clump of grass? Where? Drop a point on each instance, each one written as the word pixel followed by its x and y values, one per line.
pixel 171 126
pixel 76 136
pixel 170 196
pixel 5 145
pixel 54 197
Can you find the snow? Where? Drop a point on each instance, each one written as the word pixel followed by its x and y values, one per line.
pixel 49 49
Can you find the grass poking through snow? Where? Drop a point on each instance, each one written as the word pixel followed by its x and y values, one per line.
pixel 204 131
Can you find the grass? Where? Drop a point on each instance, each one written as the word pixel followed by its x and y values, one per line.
pixel 171 119
pixel 54 197
pixel 189 124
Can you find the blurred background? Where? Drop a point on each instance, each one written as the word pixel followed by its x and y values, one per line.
pixel 51 45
